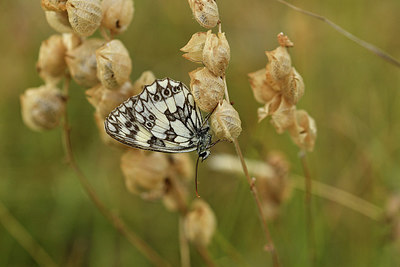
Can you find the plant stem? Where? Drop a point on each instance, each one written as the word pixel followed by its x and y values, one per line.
pixel 22 236
pixel 117 222
pixel 377 51
pixel 183 245
pixel 308 207
pixel 270 244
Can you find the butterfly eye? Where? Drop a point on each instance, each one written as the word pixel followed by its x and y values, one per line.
pixel 166 92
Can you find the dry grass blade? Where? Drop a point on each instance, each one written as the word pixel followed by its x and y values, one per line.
pixel 377 51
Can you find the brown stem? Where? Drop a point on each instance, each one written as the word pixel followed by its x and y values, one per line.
pixel 377 51
pixel 22 236
pixel 270 244
pixel 308 205
pixel 117 222
pixel 205 254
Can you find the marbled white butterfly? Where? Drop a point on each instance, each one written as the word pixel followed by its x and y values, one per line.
pixel 163 118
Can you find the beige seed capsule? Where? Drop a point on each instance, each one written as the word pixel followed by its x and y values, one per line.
pixel 278 68
pixel 293 90
pixel 225 122
pixel 216 53
pixel 58 21
pixel 117 15
pixel 200 223
pixel 84 16
pixel 53 5
pixel 42 107
pixel 146 78
pixel 82 64
pixel 304 131
pixel 194 48
pixel 71 41
pixel 114 64
pixel 262 91
pixel 205 12
pixel 207 89
pixel 144 171
pixel 104 100
pixel 51 63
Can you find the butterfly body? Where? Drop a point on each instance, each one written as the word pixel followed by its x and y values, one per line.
pixel 163 117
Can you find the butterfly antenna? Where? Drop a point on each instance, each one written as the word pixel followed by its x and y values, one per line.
pixel 195 179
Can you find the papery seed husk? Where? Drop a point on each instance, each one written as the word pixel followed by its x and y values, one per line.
pixel 278 68
pixel 270 107
pixel 51 63
pixel 293 90
pixel 225 122
pixel 105 100
pixel 42 107
pixel 84 16
pixel 216 53
pixel 205 12
pixel 117 15
pixel 146 78
pixel 304 131
pixel 144 170
pixel 284 116
pixel 207 89
pixel 194 48
pixel 263 92
pixel 114 64
pixel 284 40
pixel 58 21
pixel 71 41
pixel 53 5
pixel 200 223
pixel 181 165
pixel 82 63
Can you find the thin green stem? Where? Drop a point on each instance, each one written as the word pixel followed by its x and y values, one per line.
pixel 16 230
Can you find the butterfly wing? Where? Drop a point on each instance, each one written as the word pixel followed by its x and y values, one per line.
pixel 164 117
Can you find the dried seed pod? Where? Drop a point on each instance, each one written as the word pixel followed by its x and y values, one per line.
pixel 304 131
pixel 225 122
pixel 146 78
pixel 283 116
pixel 58 21
pixel 278 68
pixel 84 16
pixel 284 41
pixel 175 195
pixel 216 53
pixel 82 64
pixel 117 15
pixel 270 107
pixel 200 223
pixel 42 107
pixel 263 92
pixel 194 48
pixel 104 100
pixel 53 5
pixel 51 63
pixel 144 171
pixel 207 89
pixel 71 41
pixel 181 165
pixel 294 88
pixel 105 138
pixel 274 189
pixel 114 64
pixel 205 12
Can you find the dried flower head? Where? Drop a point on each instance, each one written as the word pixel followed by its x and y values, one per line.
pixel 181 165
pixel 207 89
pixel 284 40
pixel 51 64
pixel 105 100
pixel 71 41
pixel 263 92
pixel 58 21
pixel 194 48
pixel 216 53
pixel 200 223
pixel 113 64
pixel 225 122
pixel 84 16
pixel 205 12
pixel 82 64
pixel 304 130
pixel 53 5
pixel 42 107
pixel 145 172
pixel 117 15
pixel 146 78
pixel 274 189
pixel 293 89
pixel 278 68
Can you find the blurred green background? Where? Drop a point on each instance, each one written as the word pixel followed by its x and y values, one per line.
pixel 353 95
